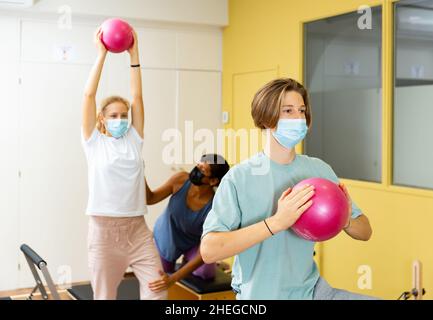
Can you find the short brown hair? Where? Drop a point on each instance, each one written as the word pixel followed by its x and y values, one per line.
pixel 269 100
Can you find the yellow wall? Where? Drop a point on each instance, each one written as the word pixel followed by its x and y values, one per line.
pixel 264 41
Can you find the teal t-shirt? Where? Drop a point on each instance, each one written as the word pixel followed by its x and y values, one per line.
pixel 282 267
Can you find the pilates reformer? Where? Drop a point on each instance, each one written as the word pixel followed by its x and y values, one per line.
pixel 418 290
pixel 36 262
pixel 190 288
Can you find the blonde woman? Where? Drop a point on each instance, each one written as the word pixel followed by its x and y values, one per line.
pixel 118 236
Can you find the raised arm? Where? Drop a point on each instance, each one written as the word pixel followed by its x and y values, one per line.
pixel 136 89
pixel 89 99
pixel 170 187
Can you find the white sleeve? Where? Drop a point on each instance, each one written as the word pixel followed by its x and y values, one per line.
pixel 135 136
pixel 87 143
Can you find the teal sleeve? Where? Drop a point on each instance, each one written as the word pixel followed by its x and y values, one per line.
pixel 225 214
pixel 329 173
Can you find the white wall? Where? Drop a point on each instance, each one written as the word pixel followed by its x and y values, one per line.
pixel 413 54
pixel 208 12
pixel 9 144
pixel 413 114
pixel 45 207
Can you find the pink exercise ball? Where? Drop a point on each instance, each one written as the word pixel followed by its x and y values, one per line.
pixel 328 214
pixel 117 35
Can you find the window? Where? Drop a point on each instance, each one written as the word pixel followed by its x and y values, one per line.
pixel 344 76
pixel 413 94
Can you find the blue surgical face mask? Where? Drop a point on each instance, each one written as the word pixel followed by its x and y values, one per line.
pixel 291 132
pixel 117 127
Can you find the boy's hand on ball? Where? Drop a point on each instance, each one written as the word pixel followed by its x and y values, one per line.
pixel 291 205
pixel 349 201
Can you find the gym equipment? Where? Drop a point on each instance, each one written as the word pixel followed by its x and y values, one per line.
pixel 190 288
pixel 34 260
pixel 418 291
pixel 328 214
pixel 129 289
pixel 195 288
pixel 117 35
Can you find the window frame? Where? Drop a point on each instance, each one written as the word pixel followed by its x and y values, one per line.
pixel 388 85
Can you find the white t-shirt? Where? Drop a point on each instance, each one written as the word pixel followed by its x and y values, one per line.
pixel 116 175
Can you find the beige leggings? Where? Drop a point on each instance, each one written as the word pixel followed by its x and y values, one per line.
pixel 114 244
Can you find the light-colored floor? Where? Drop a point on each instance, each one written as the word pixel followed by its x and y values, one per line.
pixel 22 294
pixel 176 292
pixel 19 294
